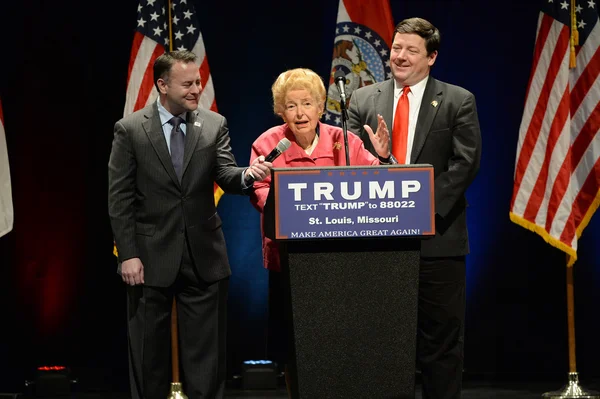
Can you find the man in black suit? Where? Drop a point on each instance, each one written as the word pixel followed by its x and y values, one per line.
pixel 433 123
pixel 164 161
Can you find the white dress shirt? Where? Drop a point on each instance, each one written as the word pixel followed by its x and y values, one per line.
pixel 415 96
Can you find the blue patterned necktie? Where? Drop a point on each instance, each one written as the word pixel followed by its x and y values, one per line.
pixel 177 144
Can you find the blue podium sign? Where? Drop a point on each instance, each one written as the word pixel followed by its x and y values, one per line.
pixel 361 201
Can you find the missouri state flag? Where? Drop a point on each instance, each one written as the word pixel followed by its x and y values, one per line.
pixel 363 36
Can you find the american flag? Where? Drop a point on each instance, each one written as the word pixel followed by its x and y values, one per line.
pixel 6 206
pixel 557 172
pixel 152 39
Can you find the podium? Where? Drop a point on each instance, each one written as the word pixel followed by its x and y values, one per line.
pixel 349 242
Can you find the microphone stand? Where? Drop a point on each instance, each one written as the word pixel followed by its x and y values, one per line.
pixel 345 129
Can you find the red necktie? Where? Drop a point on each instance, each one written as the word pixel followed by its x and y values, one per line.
pixel 400 128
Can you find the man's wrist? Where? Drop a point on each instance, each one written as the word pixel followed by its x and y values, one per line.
pixel 390 160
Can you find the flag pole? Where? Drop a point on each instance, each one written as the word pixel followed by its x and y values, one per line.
pixel 571 320
pixel 573 389
pixel 574 36
pixel 170 18
pixel 176 391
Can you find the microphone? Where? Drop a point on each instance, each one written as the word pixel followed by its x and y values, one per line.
pixel 283 145
pixel 340 81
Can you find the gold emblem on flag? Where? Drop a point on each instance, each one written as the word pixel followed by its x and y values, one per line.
pixel 337 145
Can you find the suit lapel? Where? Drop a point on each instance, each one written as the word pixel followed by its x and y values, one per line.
pixel 193 128
pixel 155 134
pixel 426 116
pixel 384 101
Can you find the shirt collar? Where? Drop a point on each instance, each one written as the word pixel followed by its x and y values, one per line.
pixel 165 116
pixel 417 89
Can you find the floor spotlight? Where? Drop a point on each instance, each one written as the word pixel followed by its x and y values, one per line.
pixel 259 374
pixel 50 381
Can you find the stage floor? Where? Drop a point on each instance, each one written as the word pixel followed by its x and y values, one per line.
pixel 471 390
pixel 474 387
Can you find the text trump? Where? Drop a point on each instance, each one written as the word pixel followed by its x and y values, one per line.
pixel 327 191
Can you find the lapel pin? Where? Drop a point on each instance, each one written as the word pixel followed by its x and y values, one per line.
pixel 434 103
pixel 198 124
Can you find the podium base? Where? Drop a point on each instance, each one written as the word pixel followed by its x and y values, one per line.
pixel 572 390
pixel 352 312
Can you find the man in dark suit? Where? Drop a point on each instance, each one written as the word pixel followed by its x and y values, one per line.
pixel 433 123
pixel 165 159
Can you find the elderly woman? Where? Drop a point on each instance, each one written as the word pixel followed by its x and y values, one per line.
pixel 299 99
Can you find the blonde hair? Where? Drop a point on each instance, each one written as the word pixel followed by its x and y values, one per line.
pixel 298 79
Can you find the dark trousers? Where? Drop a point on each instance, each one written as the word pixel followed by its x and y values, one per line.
pixel 440 326
pixel 201 311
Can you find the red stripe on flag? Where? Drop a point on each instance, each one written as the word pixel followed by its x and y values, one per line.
pixel 533 131
pixel 588 191
pixel 542 36
pixel 135 47
pixel 558 123
pixel 574 156
pixel 582 203
pixel 376 14
pixel 559 188
pixel 585 81
pixel 148 80
pixel 204 72
pixel 576 153
pixel 585 198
